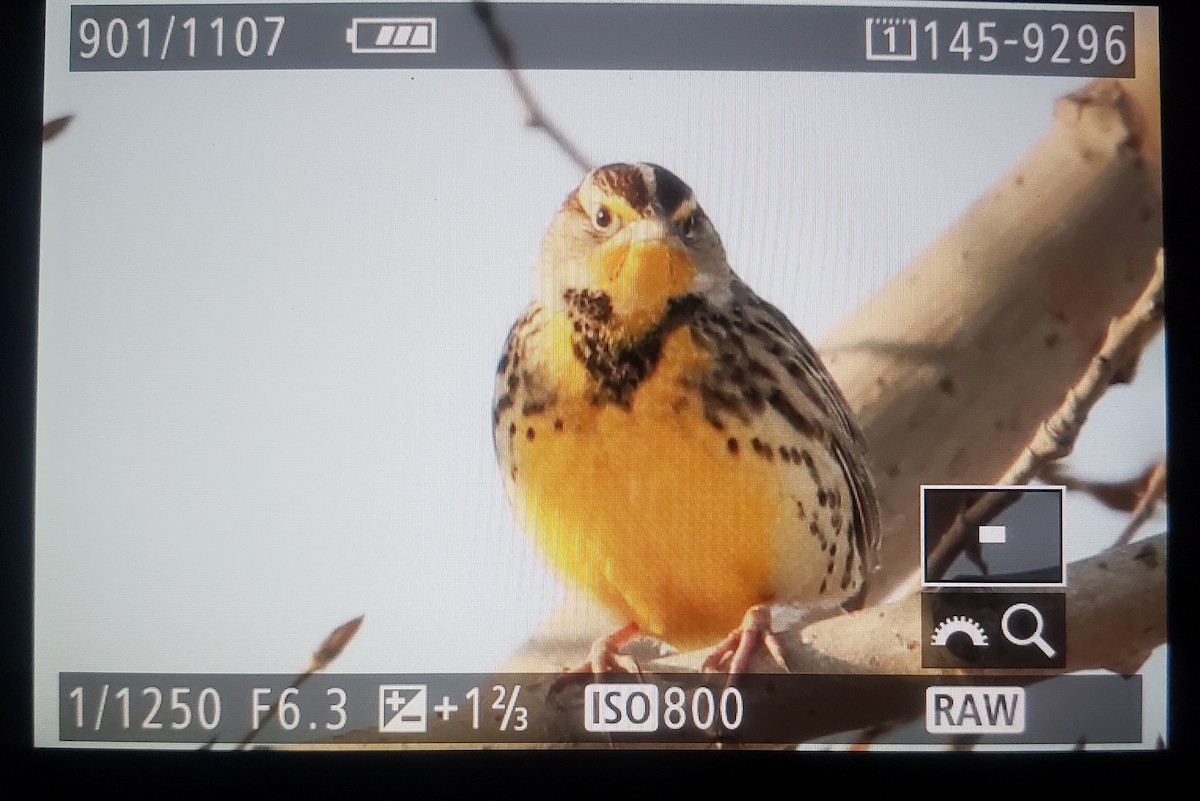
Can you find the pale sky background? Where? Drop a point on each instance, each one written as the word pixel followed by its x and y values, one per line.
pixel 271 306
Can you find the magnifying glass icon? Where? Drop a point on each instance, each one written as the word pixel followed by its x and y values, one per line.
pixel 1032 639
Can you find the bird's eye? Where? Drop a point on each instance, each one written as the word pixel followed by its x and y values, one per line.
pixel 688 226
pixel 603 218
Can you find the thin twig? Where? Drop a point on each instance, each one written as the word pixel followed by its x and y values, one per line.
pixel 870 736
pixel 963 743
pixel 1120 496
pixel 56 126
pixel 334 644
pixel 1156 490
pixel 534 116
pixel 1055 438
pixel 329 650
pixel 1127 336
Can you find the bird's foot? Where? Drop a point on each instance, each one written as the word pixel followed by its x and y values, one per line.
pixel 733 654
pixel 605 657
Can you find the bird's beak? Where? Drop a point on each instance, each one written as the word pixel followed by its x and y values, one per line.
pixel 641 269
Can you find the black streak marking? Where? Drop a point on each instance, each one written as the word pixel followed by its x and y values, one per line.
pixel 732 444
pixel 715 401
pixel 846 577
pixel 781 404
pixel 530 434
pixel 761 370
pixel 670 190
pixel 762 449
pixel 533 407
pixel 812 468
pixel 592 305
pixel 618 368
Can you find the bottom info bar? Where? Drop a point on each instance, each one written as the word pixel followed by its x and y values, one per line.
pixel 544 708
pixel 975 710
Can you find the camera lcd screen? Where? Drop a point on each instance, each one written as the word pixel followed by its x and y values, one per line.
pixel 430 375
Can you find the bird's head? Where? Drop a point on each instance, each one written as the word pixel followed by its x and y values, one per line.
pixel 635 233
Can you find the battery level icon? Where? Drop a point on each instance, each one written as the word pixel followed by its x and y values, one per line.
pixel 392 35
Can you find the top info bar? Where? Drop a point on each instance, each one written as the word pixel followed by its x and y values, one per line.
pixel 561 36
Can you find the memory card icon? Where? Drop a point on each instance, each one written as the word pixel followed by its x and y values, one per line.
pixel 392 35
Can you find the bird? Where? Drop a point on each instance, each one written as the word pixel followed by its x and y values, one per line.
pixel 669 439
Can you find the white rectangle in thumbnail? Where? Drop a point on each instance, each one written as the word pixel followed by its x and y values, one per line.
pixel 992 535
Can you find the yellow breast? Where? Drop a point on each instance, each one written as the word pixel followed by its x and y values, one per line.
pixel 664 517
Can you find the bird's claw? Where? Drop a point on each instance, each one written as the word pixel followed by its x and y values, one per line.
pixel 733 654
pixel 604 657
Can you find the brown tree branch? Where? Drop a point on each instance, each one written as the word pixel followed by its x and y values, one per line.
pixel 953 367
pixel 1116 615
pixel 1127 337
pixel 1115 363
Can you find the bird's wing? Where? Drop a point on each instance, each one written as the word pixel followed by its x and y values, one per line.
pixel 513 384
pixel 814 396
